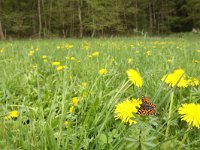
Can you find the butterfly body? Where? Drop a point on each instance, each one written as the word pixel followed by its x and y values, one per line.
pixel 146 108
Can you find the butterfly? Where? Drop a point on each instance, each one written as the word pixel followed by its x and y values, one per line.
pixel 146 108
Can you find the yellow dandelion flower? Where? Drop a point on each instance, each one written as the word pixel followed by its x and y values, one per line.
pixel 176 78
pixel 56 63
pixel 70 77
pixel 75 101
pixel 95 54
pixel 71 109
pixel 69 46
pixel 45 60
pixel 72 58
pixel 31 53
pixel 193 81
pixel 84 84
pixel 134 77
pixel 1 50
pixel 44 57
pixel 12 115
pixel 58 47
pixel 148 53
pixel 169 60
pixel 113 60
pixel 195 61
pixel 90 56
pixel 60 68
pixel 36 49
pixel 198 50
pixel 103 71
pixel 125 110
pixel 130 60
pixel 190 113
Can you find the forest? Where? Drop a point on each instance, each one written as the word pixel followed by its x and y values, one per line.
pixel 96 18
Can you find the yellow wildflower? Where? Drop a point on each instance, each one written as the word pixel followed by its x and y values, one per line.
pixel 193 81
pixel 130 60
pixel 44 57
pixel 190 113
pixel 134 77
pixel 103 71
pixel 72 58
pixel 148 53
pixel 71 109
pixel 195 61
pixel 56 63
pixel 12 115
pixel 125 110
pixel 75 101
pixel 45 60
pixel 84 84
pixel 60 68
pixel 176 78
pixel 198 50
pixel 95 54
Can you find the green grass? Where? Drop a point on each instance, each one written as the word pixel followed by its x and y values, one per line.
pixel 44 95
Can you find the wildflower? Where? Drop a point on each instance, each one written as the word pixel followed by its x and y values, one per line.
pixel 69 46
pixel 71 109
pixel 84 84
pixel 31 53
pixel 56 63
pixel 72 58
pixel 148 53
pixel 70 77
pixel 44 57
pixel 169 60
pixel 113 60
pixel 195 61
pixel 45 60
pixel 190 113
pixel 12 115
pixel 130 60
pixel 198 50
pixel 36 49
pixel 125 110
pixel 60 68
pixel 95 54
pixel 103 71
pixel 193 81
pixel 1 50
pixel 176 78
pixel 134 77
pixel 90 56
pixel 75 101
pixel 58 47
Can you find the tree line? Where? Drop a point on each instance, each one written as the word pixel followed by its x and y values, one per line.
pixel 78 18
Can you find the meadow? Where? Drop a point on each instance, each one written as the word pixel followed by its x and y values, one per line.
pixel 63 93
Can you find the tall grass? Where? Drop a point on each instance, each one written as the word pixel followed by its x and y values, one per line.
pixel 43 95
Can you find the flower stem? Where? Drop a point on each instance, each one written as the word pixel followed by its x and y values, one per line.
pixel 169 116
pixel 184 138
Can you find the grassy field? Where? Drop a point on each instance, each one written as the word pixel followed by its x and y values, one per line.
pixel 62 93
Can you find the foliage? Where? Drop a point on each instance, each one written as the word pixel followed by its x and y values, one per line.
pixel 73 18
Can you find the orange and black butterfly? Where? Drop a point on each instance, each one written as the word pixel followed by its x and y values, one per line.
pixel 146 108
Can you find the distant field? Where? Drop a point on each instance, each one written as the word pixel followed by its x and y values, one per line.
pixel 62 93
